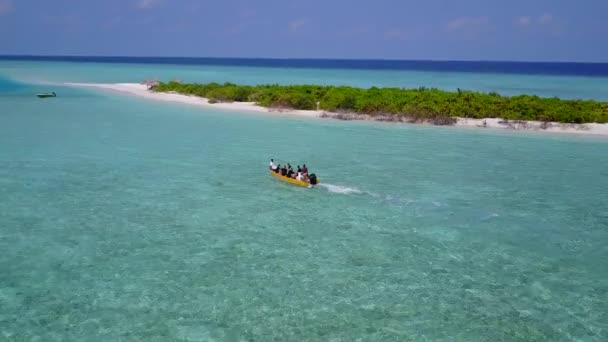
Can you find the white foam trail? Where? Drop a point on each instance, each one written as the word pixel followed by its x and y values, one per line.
pixel 338 189
pixel 488 217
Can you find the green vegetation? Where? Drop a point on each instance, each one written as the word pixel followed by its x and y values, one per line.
pixel 422 104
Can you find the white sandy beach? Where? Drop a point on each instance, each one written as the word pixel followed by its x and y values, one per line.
pixel 141 90
pixel 552 127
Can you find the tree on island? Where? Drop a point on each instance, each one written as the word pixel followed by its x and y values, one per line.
pixel 416 105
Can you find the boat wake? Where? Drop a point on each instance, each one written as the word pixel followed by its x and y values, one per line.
pixel 345 190
pixel 339 189
pixel 379 198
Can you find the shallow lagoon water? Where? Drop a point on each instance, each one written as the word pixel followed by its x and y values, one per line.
pixel 123 219
pixel 563 86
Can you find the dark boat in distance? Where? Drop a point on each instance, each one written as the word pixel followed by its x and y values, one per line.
pixel 45 95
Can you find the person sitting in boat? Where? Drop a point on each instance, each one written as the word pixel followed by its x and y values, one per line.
pixel 300 176
pixel 289 171
pixel 277 169
pixel 304 169
pixel 284 171
pixel 272 166
pixel 299 169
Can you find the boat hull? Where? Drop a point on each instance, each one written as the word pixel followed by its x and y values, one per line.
pixel 292 181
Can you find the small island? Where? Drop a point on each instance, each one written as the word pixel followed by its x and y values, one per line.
pixel 434 106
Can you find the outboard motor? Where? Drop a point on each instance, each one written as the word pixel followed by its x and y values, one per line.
pixel 313 179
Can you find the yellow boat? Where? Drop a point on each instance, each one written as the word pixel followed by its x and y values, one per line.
pixel 292 181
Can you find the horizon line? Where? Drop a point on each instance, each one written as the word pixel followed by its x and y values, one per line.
pixel 298 58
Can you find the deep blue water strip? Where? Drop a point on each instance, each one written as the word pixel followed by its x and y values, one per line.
pixel 537 68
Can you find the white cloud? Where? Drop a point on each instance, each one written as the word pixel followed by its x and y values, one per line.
pixel 238 28
pixel 248 13
pixel 545 18
pixel 457 23
pixel 356 31
pixel 148 4
pixel 5 6
pixel 523 21
pixel 112 23
pixel 298 24
pixel 246 18
pixel 467 23
pixel 396 34
pixel 67 22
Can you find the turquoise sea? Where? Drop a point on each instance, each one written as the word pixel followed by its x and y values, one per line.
pixel 123 219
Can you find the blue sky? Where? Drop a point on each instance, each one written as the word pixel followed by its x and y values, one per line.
pixel 530 30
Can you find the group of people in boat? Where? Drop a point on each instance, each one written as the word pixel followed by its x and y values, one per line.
pixel 300 173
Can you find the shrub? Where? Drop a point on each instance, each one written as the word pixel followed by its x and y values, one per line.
pixel 421 104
